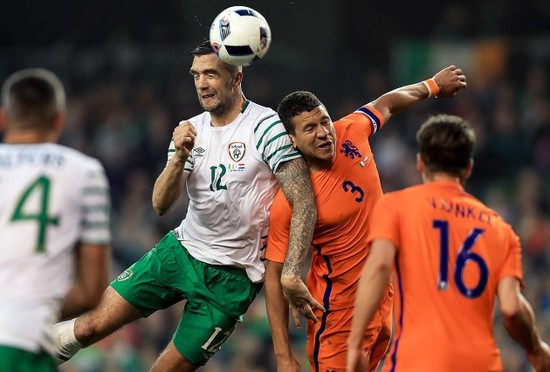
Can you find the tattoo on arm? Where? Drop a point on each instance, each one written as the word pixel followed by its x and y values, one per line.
pixel 294 180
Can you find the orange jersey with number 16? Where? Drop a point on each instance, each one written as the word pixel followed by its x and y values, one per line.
pixel 452 251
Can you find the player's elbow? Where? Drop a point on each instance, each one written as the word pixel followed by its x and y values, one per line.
pixel 511 301
pixel 380 268
pixel 511 307
pixel 161 208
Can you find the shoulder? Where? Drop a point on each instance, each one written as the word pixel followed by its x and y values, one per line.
pixel 255 108
pixel 84 167
pixel 258 114
pixel 401 200
pixel 280 206
pixel 365 119
pixel 199 120
pixel 76 156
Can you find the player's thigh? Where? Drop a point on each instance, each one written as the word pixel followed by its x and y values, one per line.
pixel 212 310
pixel 381 345
pixel 157 280
pixel 17 360
pixel 327 340
pixel 382 327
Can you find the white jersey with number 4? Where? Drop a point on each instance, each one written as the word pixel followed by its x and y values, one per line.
pixel 51 197
pixel 231 185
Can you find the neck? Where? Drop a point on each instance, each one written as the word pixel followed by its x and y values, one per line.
pixel 318 165
pixel 31 137
pixel 221 120
pixel 437 177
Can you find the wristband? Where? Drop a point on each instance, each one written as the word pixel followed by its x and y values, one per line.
pixel 433 88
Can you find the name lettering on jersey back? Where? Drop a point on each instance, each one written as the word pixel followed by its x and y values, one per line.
pixel 31 158
pixel 460 210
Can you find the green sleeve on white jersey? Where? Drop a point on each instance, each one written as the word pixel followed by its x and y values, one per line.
pixel 96 204
pixel 273 142
pixel 189 163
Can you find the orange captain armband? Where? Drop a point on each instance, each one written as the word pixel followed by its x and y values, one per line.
pixel 433 88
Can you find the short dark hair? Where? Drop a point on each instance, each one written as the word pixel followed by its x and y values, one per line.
pixel 206 48
pixel 294 104
pixel 32 97
pixel 202 49
pixel 446 144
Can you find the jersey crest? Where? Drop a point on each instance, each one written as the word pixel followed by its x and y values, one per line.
pixel 350 150
pixel 237 151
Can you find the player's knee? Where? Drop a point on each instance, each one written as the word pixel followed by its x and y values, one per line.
pixel 88 331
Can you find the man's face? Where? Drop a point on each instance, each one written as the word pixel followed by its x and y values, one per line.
pixel 314 136
pixel 214 84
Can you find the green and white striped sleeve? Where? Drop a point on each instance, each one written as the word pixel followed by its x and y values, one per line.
pixel 273 142
pixel 189 163
pixel 96 204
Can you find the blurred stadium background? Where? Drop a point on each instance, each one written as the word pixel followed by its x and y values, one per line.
pixel 125 66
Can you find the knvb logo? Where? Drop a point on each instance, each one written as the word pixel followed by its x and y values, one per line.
pixel 350 150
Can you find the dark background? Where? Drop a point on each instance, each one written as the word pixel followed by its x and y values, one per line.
pixel 125 67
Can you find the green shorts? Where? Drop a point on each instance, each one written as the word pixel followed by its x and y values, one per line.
pixel 217 296
pixel 18 360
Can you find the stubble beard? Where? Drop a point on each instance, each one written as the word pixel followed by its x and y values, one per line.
pixel 221 108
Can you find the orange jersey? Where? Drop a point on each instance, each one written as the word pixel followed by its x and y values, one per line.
pixel 452 250
pixel 345 194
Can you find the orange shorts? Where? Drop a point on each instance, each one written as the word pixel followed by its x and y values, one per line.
pixel 327 339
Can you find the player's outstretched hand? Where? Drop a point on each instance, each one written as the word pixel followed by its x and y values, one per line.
pixel 450 80
pixel 540 360
pixel 299 298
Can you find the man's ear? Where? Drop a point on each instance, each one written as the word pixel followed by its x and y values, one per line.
pixel 58 121
pixel 238 79
pixel 293 141
pixel 3 120
pixel 469 168
pixel 420 166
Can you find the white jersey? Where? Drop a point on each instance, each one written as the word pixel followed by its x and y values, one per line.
pixel 231 185
pixel 51 197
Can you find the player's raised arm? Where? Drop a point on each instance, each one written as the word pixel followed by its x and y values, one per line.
pixel 446 83
pixel 169 183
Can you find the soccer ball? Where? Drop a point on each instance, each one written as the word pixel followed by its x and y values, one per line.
pixel 240 35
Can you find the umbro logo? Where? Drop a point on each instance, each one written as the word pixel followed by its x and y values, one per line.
pixel 198 152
